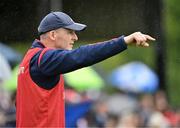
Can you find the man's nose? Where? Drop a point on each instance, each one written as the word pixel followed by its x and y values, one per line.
pixel 75 37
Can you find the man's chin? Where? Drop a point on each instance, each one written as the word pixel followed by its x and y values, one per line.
pixel 69 48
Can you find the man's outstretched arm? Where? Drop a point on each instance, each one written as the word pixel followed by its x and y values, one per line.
pixel 63 61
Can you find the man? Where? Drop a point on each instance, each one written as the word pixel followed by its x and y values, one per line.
pixel 40 92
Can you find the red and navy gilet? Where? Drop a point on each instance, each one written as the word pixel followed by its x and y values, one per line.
pixel 35 106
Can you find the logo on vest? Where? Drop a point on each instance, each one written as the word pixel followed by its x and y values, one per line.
pixel 21 70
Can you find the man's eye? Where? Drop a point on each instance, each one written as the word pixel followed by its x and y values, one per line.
pixel 70 32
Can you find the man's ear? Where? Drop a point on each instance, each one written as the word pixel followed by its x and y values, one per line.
pixel 52 35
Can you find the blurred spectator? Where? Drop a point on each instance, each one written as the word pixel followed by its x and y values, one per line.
pixel 146 108
pixel 5 74
pixel 72 96
pixel 11 112
pixel 157 120
pixel 129 120
pixel 82 123
pixel 112 121
pixel 163 106
pixel 2 119
pixel 101 113
pixel 5 98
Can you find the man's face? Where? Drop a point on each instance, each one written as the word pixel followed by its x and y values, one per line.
pixel 65 38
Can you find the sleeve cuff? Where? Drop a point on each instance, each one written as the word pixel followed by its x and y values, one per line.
pixel 122 42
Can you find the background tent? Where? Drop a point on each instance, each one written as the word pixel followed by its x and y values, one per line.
pixel 84 79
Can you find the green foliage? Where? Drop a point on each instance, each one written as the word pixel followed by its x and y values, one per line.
pixel 173 58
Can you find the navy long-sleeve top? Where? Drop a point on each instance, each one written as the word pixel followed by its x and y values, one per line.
pixel 59 61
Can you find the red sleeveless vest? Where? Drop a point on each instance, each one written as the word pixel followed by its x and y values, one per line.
pixel 35 106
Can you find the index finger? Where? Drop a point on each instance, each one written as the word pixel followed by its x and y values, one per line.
pixel 150 38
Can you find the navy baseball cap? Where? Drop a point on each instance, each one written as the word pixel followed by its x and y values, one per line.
pixel 55 20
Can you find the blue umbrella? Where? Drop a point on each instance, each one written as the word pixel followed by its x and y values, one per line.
pixel 134 77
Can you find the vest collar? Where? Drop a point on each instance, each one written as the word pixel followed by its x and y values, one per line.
pixel 36 43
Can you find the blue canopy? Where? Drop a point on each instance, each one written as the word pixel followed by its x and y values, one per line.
pixel 135 77
pixel 12 56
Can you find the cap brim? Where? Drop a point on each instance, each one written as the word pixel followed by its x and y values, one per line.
pixel 76 27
